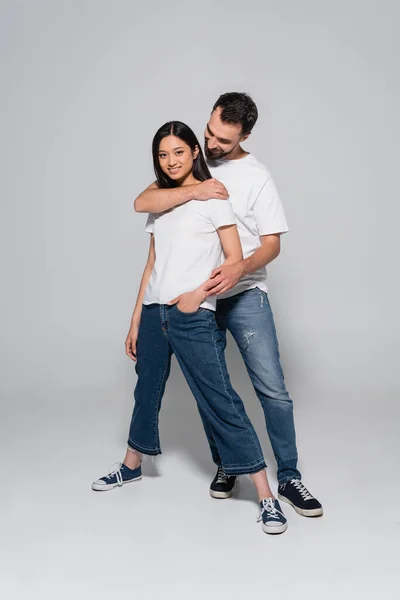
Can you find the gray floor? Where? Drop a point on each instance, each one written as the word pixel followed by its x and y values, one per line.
pixel 164 536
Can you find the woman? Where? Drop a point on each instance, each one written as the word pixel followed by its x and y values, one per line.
pixel 185 246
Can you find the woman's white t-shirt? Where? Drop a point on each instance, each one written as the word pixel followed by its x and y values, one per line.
pixel 187 247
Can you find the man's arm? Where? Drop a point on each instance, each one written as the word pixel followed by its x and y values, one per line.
pixel 225 277
pixel 157 200
pixel 266 253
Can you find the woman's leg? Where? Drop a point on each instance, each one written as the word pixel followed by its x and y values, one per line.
pixel 152 367
pixel 198 346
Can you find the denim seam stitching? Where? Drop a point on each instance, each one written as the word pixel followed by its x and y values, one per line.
pixel 159 401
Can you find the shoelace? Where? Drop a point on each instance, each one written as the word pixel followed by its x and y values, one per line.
pixel 300 487
pixel 268 506
pixel 222 477
pixel 117 472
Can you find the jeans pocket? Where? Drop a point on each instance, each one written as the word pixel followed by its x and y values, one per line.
pixel 183 312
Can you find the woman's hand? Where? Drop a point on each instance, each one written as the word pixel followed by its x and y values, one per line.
pixel 189 301
pixel 131 339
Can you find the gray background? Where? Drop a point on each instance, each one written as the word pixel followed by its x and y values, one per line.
pixel 84 86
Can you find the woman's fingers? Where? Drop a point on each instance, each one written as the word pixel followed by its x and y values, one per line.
pixel 175 300
pixel 130 349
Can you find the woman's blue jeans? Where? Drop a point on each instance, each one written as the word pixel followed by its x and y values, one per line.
pixel 198 345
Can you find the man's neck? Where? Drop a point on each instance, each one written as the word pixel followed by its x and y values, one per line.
pixel 236 154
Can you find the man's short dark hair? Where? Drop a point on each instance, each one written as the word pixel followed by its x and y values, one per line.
pixel 238 108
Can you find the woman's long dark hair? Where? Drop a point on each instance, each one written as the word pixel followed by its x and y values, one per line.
pixel 184 133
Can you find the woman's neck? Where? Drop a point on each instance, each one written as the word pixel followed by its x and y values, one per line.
pixel 189 180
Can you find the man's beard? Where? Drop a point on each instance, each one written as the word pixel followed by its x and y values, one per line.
pixel 215 155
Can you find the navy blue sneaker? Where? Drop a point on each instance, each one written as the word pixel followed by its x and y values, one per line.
pixel 118 477
pixel 272 517
pixel 295 493
pixel 222 485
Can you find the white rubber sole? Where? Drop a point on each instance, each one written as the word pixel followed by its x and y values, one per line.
pixel 314 512
pixel 223 495
pixel 274 529
pixel 220 495
pixel 98 487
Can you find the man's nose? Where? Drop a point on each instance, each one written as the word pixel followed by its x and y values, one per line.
pixel 212 145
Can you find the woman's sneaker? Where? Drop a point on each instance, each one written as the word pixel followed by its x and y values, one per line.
pixel 222 485
pixel 272 517
pixel 297 495
pixel 117 478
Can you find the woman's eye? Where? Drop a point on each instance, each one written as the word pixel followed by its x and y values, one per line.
pixel 179 152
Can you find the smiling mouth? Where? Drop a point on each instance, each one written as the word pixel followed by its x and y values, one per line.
pixel 174 171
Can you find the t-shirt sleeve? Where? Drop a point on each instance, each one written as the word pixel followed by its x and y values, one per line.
pixel 149 228
pixel 268 211
pixel 221 213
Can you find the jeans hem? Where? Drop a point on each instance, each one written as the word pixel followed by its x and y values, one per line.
pixel 245 470
pixel 143 449
pixel 288 478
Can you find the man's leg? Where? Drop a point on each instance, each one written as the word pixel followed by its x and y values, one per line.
pixel 248 316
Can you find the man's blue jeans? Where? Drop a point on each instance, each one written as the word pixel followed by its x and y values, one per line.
pixel 249 318
pixel 198 345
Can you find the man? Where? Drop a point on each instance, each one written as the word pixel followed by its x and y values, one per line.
pixel 243 307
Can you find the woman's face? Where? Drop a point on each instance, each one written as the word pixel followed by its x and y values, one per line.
pixel 176 158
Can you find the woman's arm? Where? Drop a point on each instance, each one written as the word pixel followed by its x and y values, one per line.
pixel 230 242
pixel 145 280
pixel 130 342
pixel 232 248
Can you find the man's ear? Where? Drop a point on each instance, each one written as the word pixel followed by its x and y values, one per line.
pixel 244 138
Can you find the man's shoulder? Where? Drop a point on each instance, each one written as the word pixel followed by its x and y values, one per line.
pixel 258 166
pixel 248 163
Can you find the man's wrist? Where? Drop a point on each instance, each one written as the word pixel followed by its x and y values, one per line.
pixel 191 190
pixel 242 264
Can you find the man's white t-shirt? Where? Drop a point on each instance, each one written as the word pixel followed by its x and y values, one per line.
pixel 187 247
pixel 257 208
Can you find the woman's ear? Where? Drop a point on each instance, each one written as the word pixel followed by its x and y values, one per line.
pixel 196 152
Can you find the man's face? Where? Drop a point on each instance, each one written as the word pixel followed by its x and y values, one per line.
pixel 221 139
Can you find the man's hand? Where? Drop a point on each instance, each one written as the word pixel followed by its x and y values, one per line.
pixel 211 188
pixel 223 278
pixel 130 342
pixel 189 301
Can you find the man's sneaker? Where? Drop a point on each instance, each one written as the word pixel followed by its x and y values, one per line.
pixel 272 517
pixel 294 492
pixel 222 485
pixel 118 477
